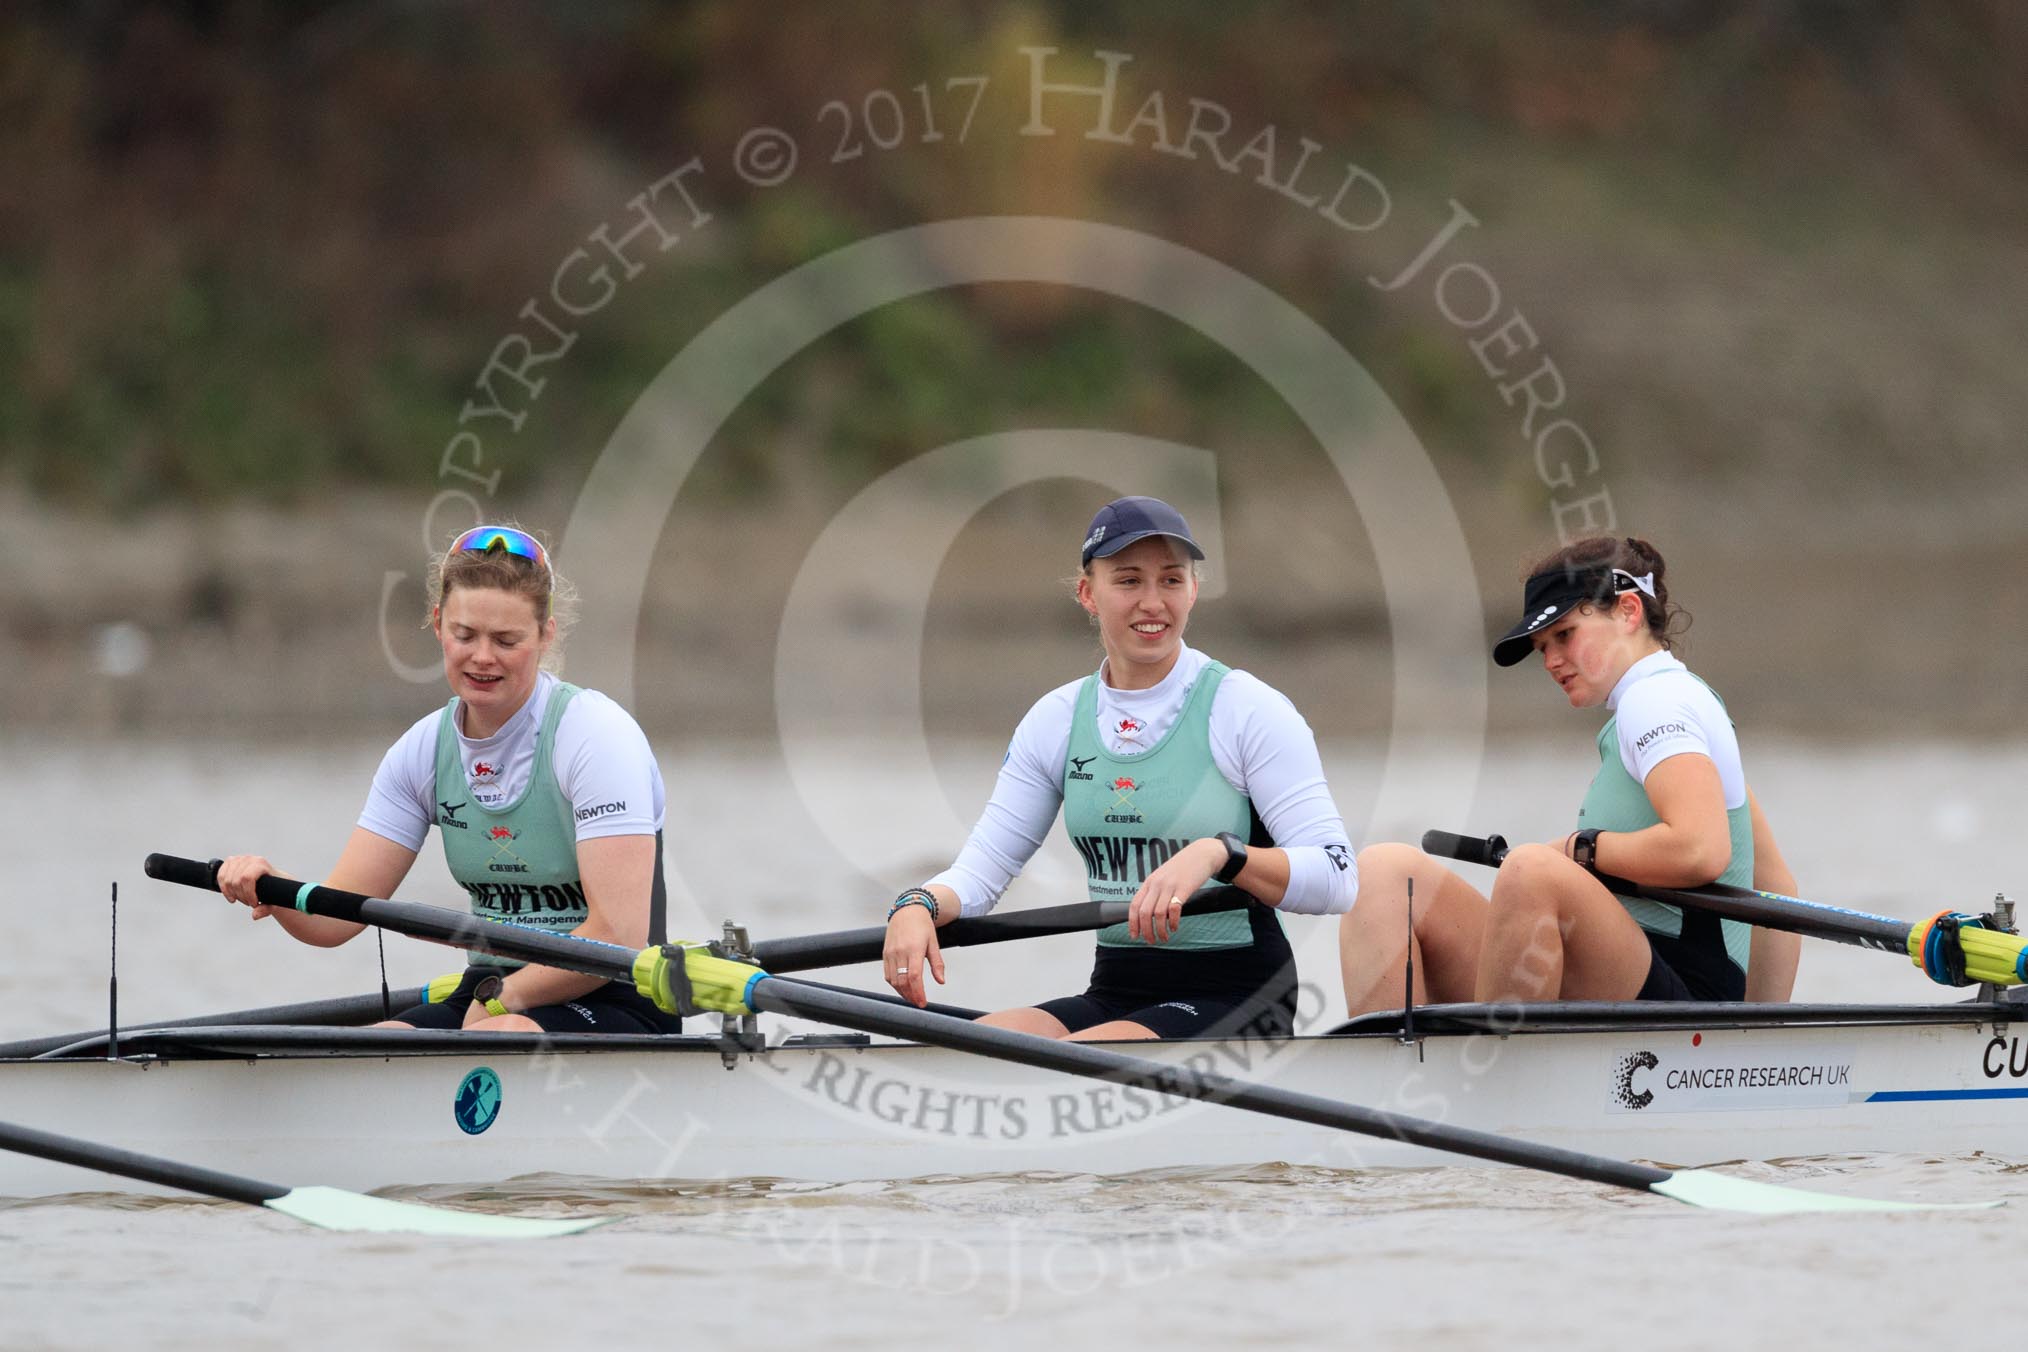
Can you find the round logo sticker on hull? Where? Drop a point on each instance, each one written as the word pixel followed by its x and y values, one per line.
pixel 477 1102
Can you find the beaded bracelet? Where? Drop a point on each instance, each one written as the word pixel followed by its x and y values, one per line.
pixel 915 896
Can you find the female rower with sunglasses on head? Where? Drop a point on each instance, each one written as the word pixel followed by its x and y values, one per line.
pixel 1172 771
pixel 548 798
pixel 1668 807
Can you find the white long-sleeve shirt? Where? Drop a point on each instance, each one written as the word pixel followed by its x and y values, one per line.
pixel 601 758
pixel 1259 743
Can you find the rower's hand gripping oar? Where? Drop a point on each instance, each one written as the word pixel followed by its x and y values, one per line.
pixel 807 951
pixel 1952 948
pixel 682 978
pixel 672 974
pixel 328 1208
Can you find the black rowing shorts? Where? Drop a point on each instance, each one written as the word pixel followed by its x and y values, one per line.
pixel 615 1007
pixel 1693 965
pixel 1194 1016
pixel 1249 991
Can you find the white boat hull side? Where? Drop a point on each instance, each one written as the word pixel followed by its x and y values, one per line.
pixel 1676 1097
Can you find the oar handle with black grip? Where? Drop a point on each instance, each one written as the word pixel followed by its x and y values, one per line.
pixel 1771 910
pixel 801 953
pixel 458 929
pixel 797 953
pixel 1486 850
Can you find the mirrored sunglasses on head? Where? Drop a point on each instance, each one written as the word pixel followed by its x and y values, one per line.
pixel 485 539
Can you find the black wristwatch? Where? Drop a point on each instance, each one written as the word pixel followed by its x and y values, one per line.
pixel 487 993
pixel 1584 847
pixel 1235 857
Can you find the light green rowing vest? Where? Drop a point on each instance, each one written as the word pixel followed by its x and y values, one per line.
pixel 1127 814
pixel 1617 802
pixel 517 862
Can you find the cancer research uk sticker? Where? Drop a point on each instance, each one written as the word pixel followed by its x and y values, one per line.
pixel 1693 1072
pixel 477 1101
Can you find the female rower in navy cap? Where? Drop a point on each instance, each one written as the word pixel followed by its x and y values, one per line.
pixel 1172 771
pixel 1668 807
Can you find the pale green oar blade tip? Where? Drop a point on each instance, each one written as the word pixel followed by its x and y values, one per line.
pixel 1723 1192
pixel 337 1209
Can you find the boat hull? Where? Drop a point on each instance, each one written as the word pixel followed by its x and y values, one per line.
pixel 361 1110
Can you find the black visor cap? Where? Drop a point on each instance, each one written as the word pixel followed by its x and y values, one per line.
pixel 1549 596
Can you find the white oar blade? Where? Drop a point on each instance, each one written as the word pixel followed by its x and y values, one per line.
pixel 1723 1192
pixel 337 1209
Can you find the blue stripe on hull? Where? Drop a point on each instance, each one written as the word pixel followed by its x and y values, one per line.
pixel 1934 1095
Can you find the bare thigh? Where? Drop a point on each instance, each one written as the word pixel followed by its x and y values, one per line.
pixel 1555 932
pixel 1116 1030
pixel 1373 937
pixel 1026 1020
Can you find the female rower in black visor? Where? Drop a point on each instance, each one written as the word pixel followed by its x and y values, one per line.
pixel 1668 807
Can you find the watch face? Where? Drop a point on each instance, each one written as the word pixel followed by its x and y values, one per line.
pixel 1235 856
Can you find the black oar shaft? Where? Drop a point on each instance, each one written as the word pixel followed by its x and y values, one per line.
pixel 127 1164
pixel 345 1011
pixel 1771 910
pixel 1077 1058
pixel 804 952
pixel 887 998
pixel 459 929
pixel 464 930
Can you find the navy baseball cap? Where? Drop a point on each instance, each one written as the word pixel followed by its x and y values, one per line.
pixel 1558 591
pixel 1124 520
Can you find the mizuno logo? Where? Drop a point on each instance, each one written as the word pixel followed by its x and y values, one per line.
pixel 1079 762
pixel 450 812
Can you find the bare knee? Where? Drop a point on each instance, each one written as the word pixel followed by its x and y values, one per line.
pixel 506 1023
pixel 1528 878
pixel 1534 895
pixel 1391 859
pixel 1384 871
